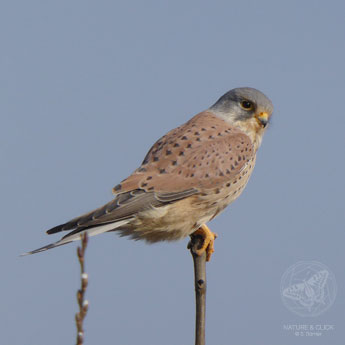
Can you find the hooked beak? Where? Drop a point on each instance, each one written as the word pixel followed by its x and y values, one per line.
pixel 262 118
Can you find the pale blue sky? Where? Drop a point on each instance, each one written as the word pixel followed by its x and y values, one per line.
pixel 88 86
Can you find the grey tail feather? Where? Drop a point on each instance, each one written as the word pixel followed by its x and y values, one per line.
pixel 75 234
pixel 42 249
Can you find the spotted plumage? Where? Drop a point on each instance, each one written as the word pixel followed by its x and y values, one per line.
pixel 187 178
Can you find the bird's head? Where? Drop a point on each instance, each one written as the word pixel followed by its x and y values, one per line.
pixel 247 108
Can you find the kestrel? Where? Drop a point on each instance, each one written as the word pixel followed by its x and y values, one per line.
pixel 186 179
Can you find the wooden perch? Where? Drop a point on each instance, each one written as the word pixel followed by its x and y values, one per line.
pixel 200 288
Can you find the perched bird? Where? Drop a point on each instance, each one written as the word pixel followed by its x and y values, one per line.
pixel 186 179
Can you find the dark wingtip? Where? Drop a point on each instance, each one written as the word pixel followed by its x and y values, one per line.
pixel 55 229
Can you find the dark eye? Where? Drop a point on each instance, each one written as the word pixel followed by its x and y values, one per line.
pixel 247 105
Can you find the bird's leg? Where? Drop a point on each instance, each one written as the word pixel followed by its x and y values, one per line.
pixel 208 241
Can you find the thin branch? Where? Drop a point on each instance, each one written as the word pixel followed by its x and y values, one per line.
pixel 82 302
pixel 200 288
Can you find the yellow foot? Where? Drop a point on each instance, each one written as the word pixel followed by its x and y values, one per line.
pixel 208 241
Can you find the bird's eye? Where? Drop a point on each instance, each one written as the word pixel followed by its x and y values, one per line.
pixel 247 105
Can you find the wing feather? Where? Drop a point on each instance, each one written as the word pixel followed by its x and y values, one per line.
pixel 204 153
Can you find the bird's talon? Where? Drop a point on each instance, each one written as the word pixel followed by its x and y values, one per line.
pixel 208 241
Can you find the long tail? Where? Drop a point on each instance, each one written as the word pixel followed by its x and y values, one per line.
pixel 76 235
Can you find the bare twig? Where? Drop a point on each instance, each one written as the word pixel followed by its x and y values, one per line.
pixel 200 288
pixel 82 302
